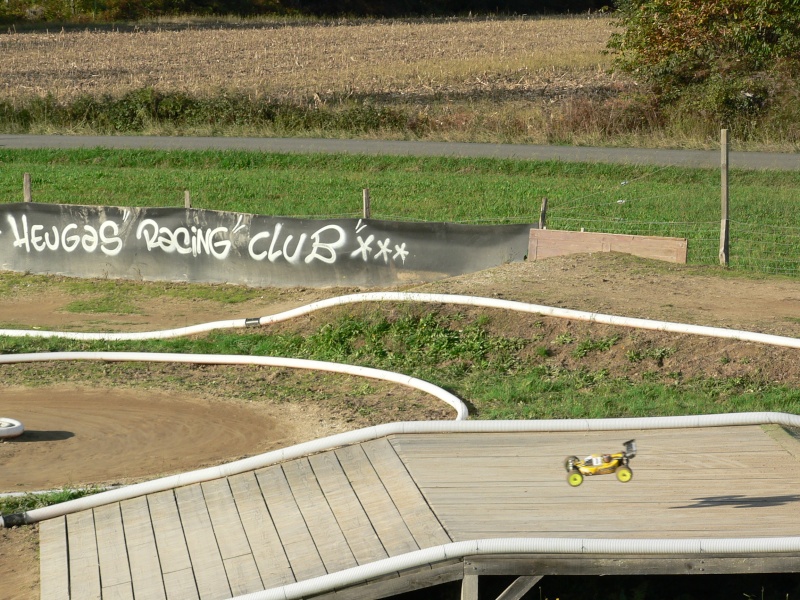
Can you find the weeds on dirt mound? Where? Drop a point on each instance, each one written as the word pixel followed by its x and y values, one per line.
pixel 33 500
pixel 500 375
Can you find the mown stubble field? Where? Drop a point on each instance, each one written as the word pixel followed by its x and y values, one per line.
pixel 520 80
pixel 314 61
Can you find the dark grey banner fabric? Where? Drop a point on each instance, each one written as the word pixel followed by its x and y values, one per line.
pixel 221 247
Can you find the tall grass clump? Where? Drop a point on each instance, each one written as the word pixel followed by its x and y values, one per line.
pixel 30 501
pixel 147 110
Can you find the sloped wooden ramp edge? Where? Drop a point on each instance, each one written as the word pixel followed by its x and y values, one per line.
pixel 356 504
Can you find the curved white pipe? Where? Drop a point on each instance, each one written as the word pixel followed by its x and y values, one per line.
pixel 565 313
pixel 494 546
pixel 377 431
pixel 233 359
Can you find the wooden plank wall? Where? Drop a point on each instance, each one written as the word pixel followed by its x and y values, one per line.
pixel 545 243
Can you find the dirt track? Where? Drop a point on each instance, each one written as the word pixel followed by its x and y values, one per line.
pixel 78 435
pixel 93 434
pixel 84 435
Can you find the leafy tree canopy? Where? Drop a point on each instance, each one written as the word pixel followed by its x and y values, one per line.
pixel 734 53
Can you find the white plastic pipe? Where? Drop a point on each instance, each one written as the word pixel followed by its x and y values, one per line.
pixel 494 546
pixel 234 359
pixel 377 431
pixel 565 313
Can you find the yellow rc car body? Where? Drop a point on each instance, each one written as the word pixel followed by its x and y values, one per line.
pixel 601 464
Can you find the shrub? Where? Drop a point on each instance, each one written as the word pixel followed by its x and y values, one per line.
pixel 724 58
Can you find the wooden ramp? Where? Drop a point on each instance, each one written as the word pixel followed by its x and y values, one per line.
pixel 361 503
pixel 245 533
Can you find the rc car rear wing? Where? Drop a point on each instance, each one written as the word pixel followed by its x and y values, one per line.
pixel 630 448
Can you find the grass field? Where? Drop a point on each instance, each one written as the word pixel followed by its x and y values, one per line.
pixel 675 202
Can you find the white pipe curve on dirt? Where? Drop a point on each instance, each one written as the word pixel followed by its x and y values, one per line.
pixel 235 359
pixel 495 546
pixel 377 431
pixel 565 313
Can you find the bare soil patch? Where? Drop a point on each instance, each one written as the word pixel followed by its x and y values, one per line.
pixel 83 436
pixel 623 285
pixel 49 310
pixel 100 434
pixel 19 563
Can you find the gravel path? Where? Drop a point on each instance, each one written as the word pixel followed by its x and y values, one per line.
pixel 661 157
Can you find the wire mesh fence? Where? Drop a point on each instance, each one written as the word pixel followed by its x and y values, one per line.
pixel 764 229
pixel 753 247
pixel 766 249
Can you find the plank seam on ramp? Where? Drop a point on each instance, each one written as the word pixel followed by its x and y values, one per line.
pixel 361 537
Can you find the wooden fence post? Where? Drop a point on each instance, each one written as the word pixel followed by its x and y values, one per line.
pixel 543 215
pixel 724 240
pixel 26 187
pixel 187 199
pixel 365 196
pixel 469 587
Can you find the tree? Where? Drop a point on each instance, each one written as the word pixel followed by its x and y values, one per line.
pixel 727 57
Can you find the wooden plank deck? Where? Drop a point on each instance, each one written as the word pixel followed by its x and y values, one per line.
pixel 361 503
pixel 711 482
pixel 249 532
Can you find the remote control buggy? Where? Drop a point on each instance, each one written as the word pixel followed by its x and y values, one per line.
pixel 601 464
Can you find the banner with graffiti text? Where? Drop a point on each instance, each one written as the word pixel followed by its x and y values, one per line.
pixel 170 244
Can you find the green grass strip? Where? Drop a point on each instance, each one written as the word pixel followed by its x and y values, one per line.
pixel 636 200
pixel 31 501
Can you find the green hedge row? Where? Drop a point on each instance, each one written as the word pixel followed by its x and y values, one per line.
pixel 139 110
